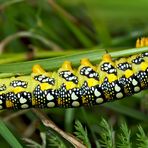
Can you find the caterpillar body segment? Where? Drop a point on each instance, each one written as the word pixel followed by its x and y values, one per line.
pixel 88 85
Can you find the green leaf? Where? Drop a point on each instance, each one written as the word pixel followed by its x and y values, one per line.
pixel 106 134
pixel 124 137
pixel 142 138
pixel 81 133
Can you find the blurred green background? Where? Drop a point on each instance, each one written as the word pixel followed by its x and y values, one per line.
pixel 41 29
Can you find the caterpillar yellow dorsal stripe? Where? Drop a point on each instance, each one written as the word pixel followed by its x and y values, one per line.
pixel 88 85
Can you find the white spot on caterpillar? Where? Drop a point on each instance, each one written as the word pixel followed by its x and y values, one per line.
pixel 24 106
pixel 99 100
pixel 19 83
pixel 23 83
pixel 73 96
pixel 49 97
pixel 91 75
pixel 97 93
pixel 44 80
pixel 1 102
pixel 18 95
pixel 137 88
pixel 22 100
pixel 106 68
pixel 40 79
pixel 75 104
pixel 66 75
pixel 86 72
pixel 119 95
pixel 51 104
pixel 134 82
pixel 111 70
pixel 117 88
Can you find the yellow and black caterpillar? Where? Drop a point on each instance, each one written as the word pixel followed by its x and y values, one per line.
pixel 88 85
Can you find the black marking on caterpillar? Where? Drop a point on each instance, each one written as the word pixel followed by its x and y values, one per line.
pixel 124 66
pixel 88 85
pixel 20 100
pixel 107 67
pixel 89 72
pixel 69 76
pixel 144 54
pixel 44 99
pixel 138 60
pixel 44 79
pixel 17 83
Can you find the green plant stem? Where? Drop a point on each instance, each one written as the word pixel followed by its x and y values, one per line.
pixel 13 57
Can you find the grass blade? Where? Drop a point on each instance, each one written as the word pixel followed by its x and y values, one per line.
pixel 127 111
pixel 8 136
pixel 54 63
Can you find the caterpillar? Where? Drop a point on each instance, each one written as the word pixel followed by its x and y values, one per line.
pixel 88 85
